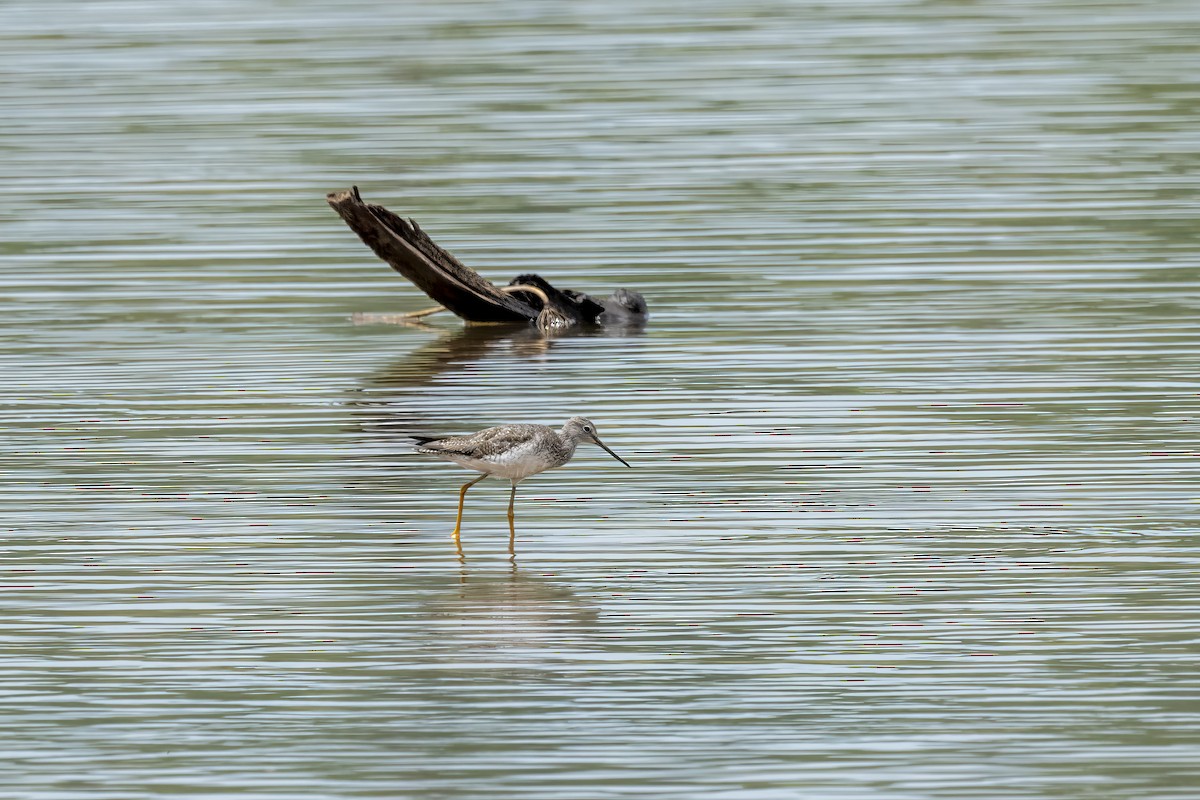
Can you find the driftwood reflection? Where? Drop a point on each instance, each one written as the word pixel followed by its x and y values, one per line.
pixel 390 402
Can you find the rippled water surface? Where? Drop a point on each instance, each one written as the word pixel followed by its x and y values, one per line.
pixel 913 422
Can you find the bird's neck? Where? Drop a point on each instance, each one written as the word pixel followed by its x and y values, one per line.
pixel 569 442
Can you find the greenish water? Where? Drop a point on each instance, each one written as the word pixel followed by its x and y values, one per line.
pixel 914 505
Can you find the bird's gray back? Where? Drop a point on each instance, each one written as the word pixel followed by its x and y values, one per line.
pixel 490 443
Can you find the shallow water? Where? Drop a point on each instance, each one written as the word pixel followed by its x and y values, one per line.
pixel 913 420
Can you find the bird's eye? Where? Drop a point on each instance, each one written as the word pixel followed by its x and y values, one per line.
pixel 586 429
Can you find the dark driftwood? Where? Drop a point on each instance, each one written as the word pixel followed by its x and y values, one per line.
pixel 529 298
pixel 403 245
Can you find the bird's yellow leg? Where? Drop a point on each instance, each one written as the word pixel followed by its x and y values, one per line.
pixel 462 498
pixel 512 528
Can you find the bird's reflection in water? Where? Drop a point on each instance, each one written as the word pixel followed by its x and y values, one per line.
pixel 491 608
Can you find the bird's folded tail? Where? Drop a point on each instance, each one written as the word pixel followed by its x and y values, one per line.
pixel 437 444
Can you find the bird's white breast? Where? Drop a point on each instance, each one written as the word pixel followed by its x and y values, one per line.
pixel 514 463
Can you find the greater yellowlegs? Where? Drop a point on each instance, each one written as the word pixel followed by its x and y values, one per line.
pixel 514 452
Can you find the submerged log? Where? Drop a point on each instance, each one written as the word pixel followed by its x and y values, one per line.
pixel 457 287
pixel 437 273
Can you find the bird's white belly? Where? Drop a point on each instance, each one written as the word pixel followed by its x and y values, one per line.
pixel 515 464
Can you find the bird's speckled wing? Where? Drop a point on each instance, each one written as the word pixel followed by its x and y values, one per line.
pixel 486 444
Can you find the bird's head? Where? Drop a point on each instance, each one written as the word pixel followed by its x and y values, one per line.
pixel 584 430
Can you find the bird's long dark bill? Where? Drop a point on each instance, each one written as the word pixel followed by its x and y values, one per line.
pixel 610 452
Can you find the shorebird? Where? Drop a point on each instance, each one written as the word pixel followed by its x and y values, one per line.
pixel 514 452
